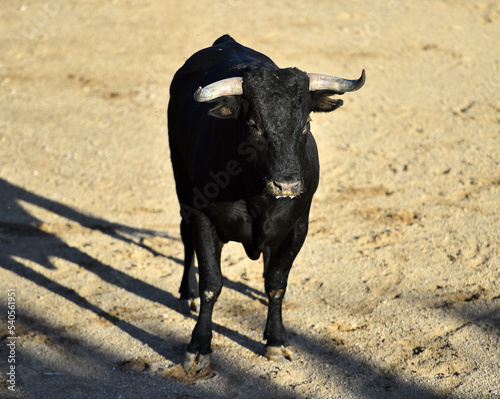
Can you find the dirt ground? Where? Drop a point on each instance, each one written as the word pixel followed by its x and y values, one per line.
pixel 396 291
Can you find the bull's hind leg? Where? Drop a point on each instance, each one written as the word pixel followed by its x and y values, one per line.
pixel 208 250
pixel 188 290
pixel 276 276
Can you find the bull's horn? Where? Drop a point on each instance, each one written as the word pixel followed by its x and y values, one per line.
pixel 225 87
pixel 325 82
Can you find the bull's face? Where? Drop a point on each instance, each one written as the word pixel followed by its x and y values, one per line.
pixel 273 108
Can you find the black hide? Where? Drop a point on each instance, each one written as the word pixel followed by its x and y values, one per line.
pixel 246 168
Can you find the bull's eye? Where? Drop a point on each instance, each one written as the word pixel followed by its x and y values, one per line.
pixel 253 128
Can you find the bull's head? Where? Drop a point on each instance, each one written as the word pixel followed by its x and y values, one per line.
pixel 273 106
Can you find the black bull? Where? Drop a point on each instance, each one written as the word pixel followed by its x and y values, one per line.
pixel 246 168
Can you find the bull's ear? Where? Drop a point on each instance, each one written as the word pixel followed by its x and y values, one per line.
pixel 321 101
pixel 227 107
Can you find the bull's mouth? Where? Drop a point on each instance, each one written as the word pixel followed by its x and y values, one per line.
pixel 284 189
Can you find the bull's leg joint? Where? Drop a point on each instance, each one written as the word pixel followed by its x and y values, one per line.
pixel 209 295
pixel 276 294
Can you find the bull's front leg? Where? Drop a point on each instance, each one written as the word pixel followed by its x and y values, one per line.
pixel 276 277
pixel 208 250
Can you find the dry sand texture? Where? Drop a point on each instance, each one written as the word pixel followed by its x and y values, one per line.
pixel 396 291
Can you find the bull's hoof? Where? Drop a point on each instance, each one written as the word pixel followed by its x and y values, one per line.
pixel 195 362
pixel 279 353
pixel 186 306
pixel 195 305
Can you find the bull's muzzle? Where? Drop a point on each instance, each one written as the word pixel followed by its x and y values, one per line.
pixel 281 189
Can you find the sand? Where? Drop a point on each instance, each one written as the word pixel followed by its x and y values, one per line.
pixel 395 293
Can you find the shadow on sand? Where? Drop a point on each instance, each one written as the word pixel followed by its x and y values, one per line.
pixel 17 225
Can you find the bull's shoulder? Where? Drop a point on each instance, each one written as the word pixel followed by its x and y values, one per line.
pixel 232 220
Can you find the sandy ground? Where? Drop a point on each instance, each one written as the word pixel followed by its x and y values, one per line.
pixel 396 291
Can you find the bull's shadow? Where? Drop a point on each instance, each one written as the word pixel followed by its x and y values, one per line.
pixel 22 237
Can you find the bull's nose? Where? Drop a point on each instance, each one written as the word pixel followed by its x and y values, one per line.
pixel 286 189
pixel 286 186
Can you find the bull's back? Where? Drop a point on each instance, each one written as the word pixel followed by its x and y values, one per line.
pixel 197 139
pixel 224 59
